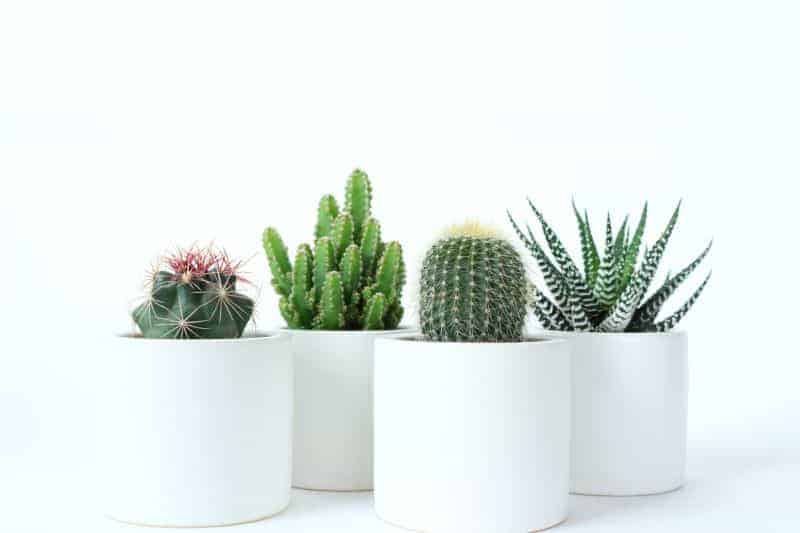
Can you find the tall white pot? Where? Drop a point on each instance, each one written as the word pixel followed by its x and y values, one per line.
pixel 333 377
pixel 472 436
pixel 196 432
pixel 629 412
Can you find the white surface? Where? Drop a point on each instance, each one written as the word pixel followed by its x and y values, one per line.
pixel 195 433
pixel 472 437
pixel 129 127
pixel 333 376
pixel 629 404
pixel 732 486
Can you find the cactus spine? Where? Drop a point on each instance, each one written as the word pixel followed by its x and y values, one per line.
pixel 473 288
pixel 192 294
pixel 351 280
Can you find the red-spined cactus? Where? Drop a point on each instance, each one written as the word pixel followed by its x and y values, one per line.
pixel 192 294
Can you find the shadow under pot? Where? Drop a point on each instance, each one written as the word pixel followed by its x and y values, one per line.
pixel 629 412
pixel 196 432
pixel 472 436
pixel 333 398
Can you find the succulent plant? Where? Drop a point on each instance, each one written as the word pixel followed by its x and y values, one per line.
pixel 473 288
pixel 609 295
pixel 351 280
pixel 192 293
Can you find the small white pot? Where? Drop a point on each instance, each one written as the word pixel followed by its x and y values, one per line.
pixel 333 379
pixel 196 432
pixel 629 411
pixel 472 436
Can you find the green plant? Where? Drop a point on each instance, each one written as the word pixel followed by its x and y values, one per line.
pixel 351 280
pixel 473 288
pixel 609 295
pixel 192 294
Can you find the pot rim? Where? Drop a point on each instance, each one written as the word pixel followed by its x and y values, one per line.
pixel 612 334
pixel 257 336
pixel 526 339
pixel 349 332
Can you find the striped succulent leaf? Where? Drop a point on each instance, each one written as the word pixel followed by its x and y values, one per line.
pixel 608 299
pixel 622 313
pixel 652 257
pixel 548 314
pixel 646 314
pixel 632 251
pixel 591 258
pixel 580 322
pixel 552 276
pixel 605 288
pixel 671 321
pixel 571 273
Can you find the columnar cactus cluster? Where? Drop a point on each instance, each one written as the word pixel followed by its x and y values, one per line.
pixel 192 293
pixel 351 279
pixel 473 288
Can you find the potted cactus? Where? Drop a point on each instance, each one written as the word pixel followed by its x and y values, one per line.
pixel 336 299
pixel 472 418
pixel 196 416
pixel 630 370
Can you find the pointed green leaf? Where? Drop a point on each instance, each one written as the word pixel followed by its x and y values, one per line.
pixel 606 286
pixel 648 311
pixel 576 283
pixel 552 276
pixel 670 322
pixel 632 251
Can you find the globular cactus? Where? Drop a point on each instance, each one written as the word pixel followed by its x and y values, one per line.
pixel 192 294
pixel 351 279
pixel 473 288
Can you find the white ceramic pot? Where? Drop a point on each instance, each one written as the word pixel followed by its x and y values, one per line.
pixel 333 408
pixel 629 411
pixel 196 432
pixel 472 436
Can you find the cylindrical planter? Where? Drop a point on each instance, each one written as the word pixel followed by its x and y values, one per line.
pixel 472 436
pixel 196 432
pixel 629 411
pixel 333 377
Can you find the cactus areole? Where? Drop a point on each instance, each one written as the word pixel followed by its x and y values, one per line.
pixel 351 279
pixel 192 294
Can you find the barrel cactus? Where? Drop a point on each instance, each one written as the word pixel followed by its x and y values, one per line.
pixel 473 288
pixel 192 294
pixel 351 279
pixel 609 295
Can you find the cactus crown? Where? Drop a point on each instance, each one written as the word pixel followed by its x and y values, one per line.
pixel 192 293
pixel 609 295
pixel 351 279
pixel 473 288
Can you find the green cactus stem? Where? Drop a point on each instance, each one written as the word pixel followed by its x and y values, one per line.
pixel 352 280
pixel 192 294
pixel 473 288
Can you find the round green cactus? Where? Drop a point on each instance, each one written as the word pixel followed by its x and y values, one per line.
pixel 192 295
pixel 473 288
pixel 351 280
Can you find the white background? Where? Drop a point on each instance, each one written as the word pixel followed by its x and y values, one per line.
pixel 129 127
